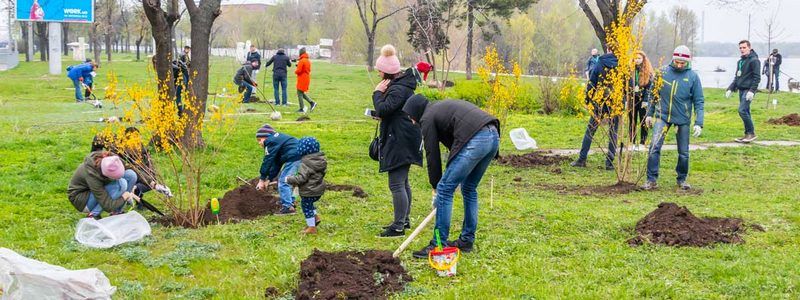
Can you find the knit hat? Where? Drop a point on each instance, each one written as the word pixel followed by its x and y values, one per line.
pixel 265 131
pixel 111 167
pixel 682 53
pixel 307 145
pixel 302 51
pixel 388 62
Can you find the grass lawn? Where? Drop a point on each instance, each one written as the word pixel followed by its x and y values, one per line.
pixel 533 243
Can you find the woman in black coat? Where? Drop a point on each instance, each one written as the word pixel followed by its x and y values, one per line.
pixel 400 140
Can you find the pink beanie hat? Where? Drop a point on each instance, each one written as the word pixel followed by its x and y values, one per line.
pixel 388 62
pixel 112 167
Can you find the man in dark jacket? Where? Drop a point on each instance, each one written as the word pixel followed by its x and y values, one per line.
pixel 180 76
pixel 772 69
pixel 254 56
pixel 746 83
pixel 280 150
pixel 281 62
pixel 472 137
pixel 244 81
pixel 604 64
pixel 681 94
pixel 591 62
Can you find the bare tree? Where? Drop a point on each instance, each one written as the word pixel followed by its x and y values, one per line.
pixel 370 20
pixel 162 22
pixel 610 11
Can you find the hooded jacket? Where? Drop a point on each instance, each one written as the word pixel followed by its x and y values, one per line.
pixel 303 73
pixel 282 62
pixel 279 149
pixel 243 75
pixel 604 63
pixel 400 139
pixel 450 122
pixel 310 177
pixel 88 178
pixel 747 73
pixel 681 93
pixel 76 72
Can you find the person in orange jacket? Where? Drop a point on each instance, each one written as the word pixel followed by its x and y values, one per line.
pixel 303 73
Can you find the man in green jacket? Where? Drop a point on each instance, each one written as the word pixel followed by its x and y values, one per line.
pixel 746 83
pixel 101 183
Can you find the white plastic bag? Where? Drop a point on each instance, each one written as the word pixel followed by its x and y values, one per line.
pixel 521 139
pixel 111 231
pixel 24 278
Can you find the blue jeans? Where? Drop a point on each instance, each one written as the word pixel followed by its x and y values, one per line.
pixel 247 92
pixel 179 93
pixel 78 89
pixel 285 189
pixel 660 128
pixel 591 129
pixel 466 169
pixel 280 82
pixel 744 113
pixel 114 190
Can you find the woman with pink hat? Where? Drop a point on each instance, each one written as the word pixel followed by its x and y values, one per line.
pixel 101 183
pixel 400 140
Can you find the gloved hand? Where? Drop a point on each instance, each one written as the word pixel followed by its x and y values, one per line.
pixel 130 198
pixel 433 199
pixel 749 96
pixel 164 190
pixel 697 131
pixel 728 94
pixel 261 185
pixel 648 121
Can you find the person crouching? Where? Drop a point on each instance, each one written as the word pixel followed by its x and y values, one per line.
pixel 280 151
pixel 310 179
pixel 101 183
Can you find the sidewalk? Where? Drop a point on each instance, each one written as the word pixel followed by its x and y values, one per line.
pixel 673 147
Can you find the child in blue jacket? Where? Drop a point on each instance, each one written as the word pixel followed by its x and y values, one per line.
pixel 280 151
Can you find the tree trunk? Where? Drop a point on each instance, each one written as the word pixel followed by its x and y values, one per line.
pixel 65 38
pixel 138 48
pixel 95 44
pixel 108 46
pixel 42 34
pixel 371 51
pixel 470 34
pixel 25 37
pixel 161 23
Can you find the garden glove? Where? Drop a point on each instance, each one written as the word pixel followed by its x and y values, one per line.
pixel 749 96
pixel 164 190
pixel 697 131
pixel 130 198
pixel 728 94
pixel 648 121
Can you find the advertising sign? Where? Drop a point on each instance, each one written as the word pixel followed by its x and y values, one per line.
pixel 74 11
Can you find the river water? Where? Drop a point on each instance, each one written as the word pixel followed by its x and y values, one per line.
pixel 705 66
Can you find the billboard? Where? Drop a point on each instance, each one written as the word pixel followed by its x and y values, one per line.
pixel 78 11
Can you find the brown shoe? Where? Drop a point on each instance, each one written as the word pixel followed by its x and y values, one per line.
pixel 741 139
pixel 310 230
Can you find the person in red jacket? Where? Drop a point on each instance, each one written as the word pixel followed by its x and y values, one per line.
pixel 303 73
pixel 424 68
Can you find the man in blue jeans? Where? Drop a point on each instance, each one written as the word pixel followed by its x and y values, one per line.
pixel 280 150
pixel 78 74
pixel 746 83
pixel 472 137
pixel 681 93
pixel 280 62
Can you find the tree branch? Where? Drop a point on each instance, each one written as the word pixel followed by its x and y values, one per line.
pixel 391 13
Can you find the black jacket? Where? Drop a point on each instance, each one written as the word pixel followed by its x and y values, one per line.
pixel 310 176
pixel 401 140
pixel 279 149
pixel 243 75
pixel 747 73
pixel 254 56
pixel 452 123
pixel 281 61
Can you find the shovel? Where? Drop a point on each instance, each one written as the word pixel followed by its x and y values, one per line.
pixel 414 234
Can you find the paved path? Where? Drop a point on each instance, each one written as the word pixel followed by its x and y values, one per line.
pixel 673 147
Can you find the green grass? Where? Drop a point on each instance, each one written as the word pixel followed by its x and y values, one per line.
pixel 533 243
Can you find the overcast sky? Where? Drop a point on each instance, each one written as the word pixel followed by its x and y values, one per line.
pixel 729 24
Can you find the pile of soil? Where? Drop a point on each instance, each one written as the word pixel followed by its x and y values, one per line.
pixel 358 192
pixel 241 203
pixel 674 225
pixel 303 118
pixel 371 274
pixel 532 159
pixel 790 119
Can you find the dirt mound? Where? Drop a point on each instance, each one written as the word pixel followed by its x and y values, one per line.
pixel 532 159
pixel 371 274
pixel 303 118
pixel 790 119
pixel 357 190
pixel 674 225
pixel 241 203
